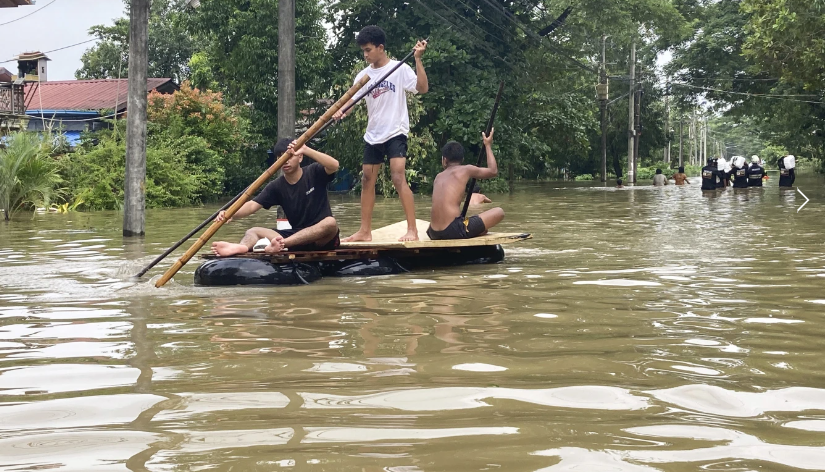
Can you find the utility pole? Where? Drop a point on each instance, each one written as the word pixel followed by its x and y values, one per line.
pixel 666 151
pixel 286 68
pixel 681 162
pixel 602 91
pixel 134 207
pixel 638 135
pixel 705 140
pixel 631 171
pixel 695 141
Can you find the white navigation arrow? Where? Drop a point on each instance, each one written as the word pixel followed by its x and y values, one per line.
pixel 806 199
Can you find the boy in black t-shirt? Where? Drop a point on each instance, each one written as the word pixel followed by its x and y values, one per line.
pixel 302 193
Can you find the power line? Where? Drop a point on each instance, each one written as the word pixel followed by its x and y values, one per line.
pixel 28 15
pixel 467 35
pixel 58 49
pixel 771 96
pixel 538 38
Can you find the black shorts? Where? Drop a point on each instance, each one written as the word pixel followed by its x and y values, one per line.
pixel 393 147
pixel 458 230
pixel 332 244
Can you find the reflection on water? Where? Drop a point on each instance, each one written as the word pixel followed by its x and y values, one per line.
pixel 641 329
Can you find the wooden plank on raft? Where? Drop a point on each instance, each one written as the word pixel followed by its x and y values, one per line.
pixel 387 237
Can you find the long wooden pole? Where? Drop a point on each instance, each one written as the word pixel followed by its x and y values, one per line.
pixel 247 194
pixel 483 151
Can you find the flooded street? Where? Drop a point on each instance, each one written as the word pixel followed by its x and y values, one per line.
pixel 641 329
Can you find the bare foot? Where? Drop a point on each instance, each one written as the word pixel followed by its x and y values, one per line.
pixel 359 236
pixel 277 245
pixel 225 249
pixel 410 235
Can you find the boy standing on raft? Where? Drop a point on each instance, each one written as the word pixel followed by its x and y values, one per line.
pixel 448 194
pixel 388 126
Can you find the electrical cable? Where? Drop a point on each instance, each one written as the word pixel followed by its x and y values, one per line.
pixel 774 97
pixel 55 50
pixel 28 15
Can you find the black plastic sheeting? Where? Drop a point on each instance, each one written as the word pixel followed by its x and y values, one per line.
pixel 245 271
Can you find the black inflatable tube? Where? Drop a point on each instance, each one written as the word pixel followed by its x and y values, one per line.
pixel 246 271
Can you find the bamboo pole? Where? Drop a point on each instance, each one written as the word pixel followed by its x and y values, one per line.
pixel 315 128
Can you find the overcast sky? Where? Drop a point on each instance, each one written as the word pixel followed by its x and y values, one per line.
pixel 62 23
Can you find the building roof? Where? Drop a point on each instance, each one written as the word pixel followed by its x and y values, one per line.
pixel 5 75
pixel 103 94
pixel 14 3
pixel 31 56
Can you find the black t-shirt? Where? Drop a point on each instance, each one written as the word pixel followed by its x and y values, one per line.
pixel 740 177
pixel 709 174
pixel 755 174
pixel 305 203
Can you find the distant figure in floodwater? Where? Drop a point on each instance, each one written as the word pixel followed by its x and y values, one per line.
pixel 787 174
pixel 755 173
pixel 709 175
pixel 449 187
pixel 659 180
pixel 477 198
pixel 302 193
pixel 723 173
pixel 619 183
pixel 680 177
pixel 740 172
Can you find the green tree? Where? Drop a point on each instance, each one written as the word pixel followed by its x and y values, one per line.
pixel 787 38
pixel 239 40
pixel 170 46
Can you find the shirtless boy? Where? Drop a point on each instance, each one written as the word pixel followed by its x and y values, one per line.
pixel 680 177
pixel 448 194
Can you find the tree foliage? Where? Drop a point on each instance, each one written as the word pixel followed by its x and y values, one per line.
pixel 239 54
pixel 170 46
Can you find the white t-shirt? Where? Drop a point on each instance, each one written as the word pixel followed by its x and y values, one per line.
pixel 387 103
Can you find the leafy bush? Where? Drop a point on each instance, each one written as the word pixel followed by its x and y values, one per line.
pixel 197 150
pixel 28 174
pixel 584 177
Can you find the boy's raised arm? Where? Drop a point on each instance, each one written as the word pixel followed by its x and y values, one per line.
pixel 422 85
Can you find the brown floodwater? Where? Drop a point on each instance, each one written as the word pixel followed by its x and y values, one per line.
pixel 642 329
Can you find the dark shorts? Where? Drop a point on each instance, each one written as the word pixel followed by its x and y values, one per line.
pixel 332 244
pixel 394 147
pixel 458 230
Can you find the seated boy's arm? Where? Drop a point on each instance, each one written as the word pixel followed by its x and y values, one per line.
pixel 247 209
pixel 330 163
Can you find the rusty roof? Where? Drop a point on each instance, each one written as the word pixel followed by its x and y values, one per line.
pixel 96 94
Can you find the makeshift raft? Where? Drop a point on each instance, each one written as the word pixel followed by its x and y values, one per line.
pixel 384 255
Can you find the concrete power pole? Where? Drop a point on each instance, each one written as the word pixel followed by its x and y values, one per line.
pixel 631 132
pixel 666 151
pixel 603 95
pixel 135 187
pixel 286 68
pixel 638 135
pixel 681 162
pixel 705 141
